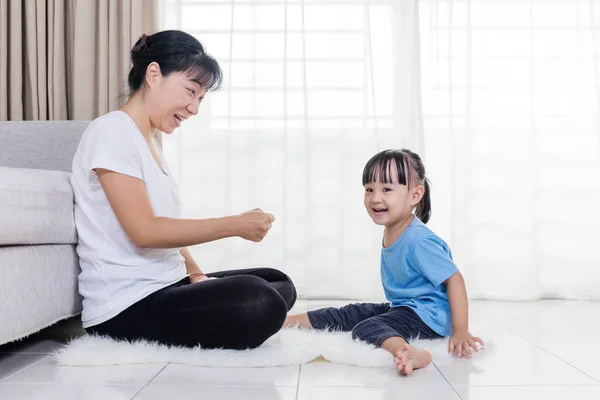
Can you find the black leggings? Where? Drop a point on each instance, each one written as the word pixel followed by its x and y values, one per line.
pixel 240 310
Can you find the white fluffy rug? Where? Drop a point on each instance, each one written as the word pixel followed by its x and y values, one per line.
pixel 287 347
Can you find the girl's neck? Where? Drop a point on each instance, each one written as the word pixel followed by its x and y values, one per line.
pixel 136 109
pixel 394 231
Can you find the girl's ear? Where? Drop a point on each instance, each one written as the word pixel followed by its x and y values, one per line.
pixel 417 195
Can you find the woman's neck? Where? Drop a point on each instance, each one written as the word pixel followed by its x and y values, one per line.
pixel 136 109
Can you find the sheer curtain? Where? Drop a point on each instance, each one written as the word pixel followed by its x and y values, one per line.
pixel 500 97
pixel 310 93
pixel 510 104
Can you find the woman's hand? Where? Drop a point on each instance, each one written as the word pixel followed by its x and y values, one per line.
pixel 254 225
pixel 463 342
pixel 194 278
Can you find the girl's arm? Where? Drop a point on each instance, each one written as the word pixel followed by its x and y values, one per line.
pixel 461 339
pixel 459 303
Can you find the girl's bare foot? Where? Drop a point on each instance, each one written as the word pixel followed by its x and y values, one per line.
pixel 410 358
pixel 297 320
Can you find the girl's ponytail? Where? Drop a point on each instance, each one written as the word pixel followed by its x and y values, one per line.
pixel 423 210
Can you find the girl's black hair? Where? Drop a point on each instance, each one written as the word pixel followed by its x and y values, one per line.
pixel 174 51
pixel 410 168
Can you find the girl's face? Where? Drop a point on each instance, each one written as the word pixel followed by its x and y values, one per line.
pixel 391 203
pixel 172 99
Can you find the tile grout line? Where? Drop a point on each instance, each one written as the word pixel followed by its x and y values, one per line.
pixel 150 381
pixel 536 345
pixel 24 369
pixel 446 379
pixel 305 310
pixel 298 383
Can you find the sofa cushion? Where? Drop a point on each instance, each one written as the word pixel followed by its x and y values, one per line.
pixel 36 207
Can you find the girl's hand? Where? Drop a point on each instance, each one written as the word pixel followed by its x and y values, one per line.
pixel 463 342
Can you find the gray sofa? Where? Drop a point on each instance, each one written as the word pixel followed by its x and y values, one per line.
pixel 38 261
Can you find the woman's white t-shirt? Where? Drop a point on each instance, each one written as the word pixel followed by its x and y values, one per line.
pixel 114 272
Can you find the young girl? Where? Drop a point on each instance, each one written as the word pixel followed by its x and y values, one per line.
pixel 426 291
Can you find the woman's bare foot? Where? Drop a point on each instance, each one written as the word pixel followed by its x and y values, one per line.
pixel 410 358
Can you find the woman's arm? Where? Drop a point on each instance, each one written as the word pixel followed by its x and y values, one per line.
pixel 192 268
pixel 129 200
pixel 190 264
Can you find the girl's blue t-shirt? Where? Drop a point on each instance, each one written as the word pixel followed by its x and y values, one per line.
pixel 413 272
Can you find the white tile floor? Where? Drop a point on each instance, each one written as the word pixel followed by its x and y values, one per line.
pixel 536 350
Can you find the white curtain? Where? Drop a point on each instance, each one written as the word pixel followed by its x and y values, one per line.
pixel 510 104
pixel 500 97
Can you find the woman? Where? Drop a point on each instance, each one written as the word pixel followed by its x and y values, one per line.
pixel 138 279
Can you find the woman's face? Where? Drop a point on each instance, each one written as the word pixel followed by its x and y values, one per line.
pixel 172 99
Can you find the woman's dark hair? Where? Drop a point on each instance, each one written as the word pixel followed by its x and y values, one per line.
pixel 174 51
pixel 410 169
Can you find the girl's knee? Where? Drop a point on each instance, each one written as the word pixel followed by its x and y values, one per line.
pixel 364 330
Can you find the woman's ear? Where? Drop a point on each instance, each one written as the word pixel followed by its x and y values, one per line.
pixel 153 74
